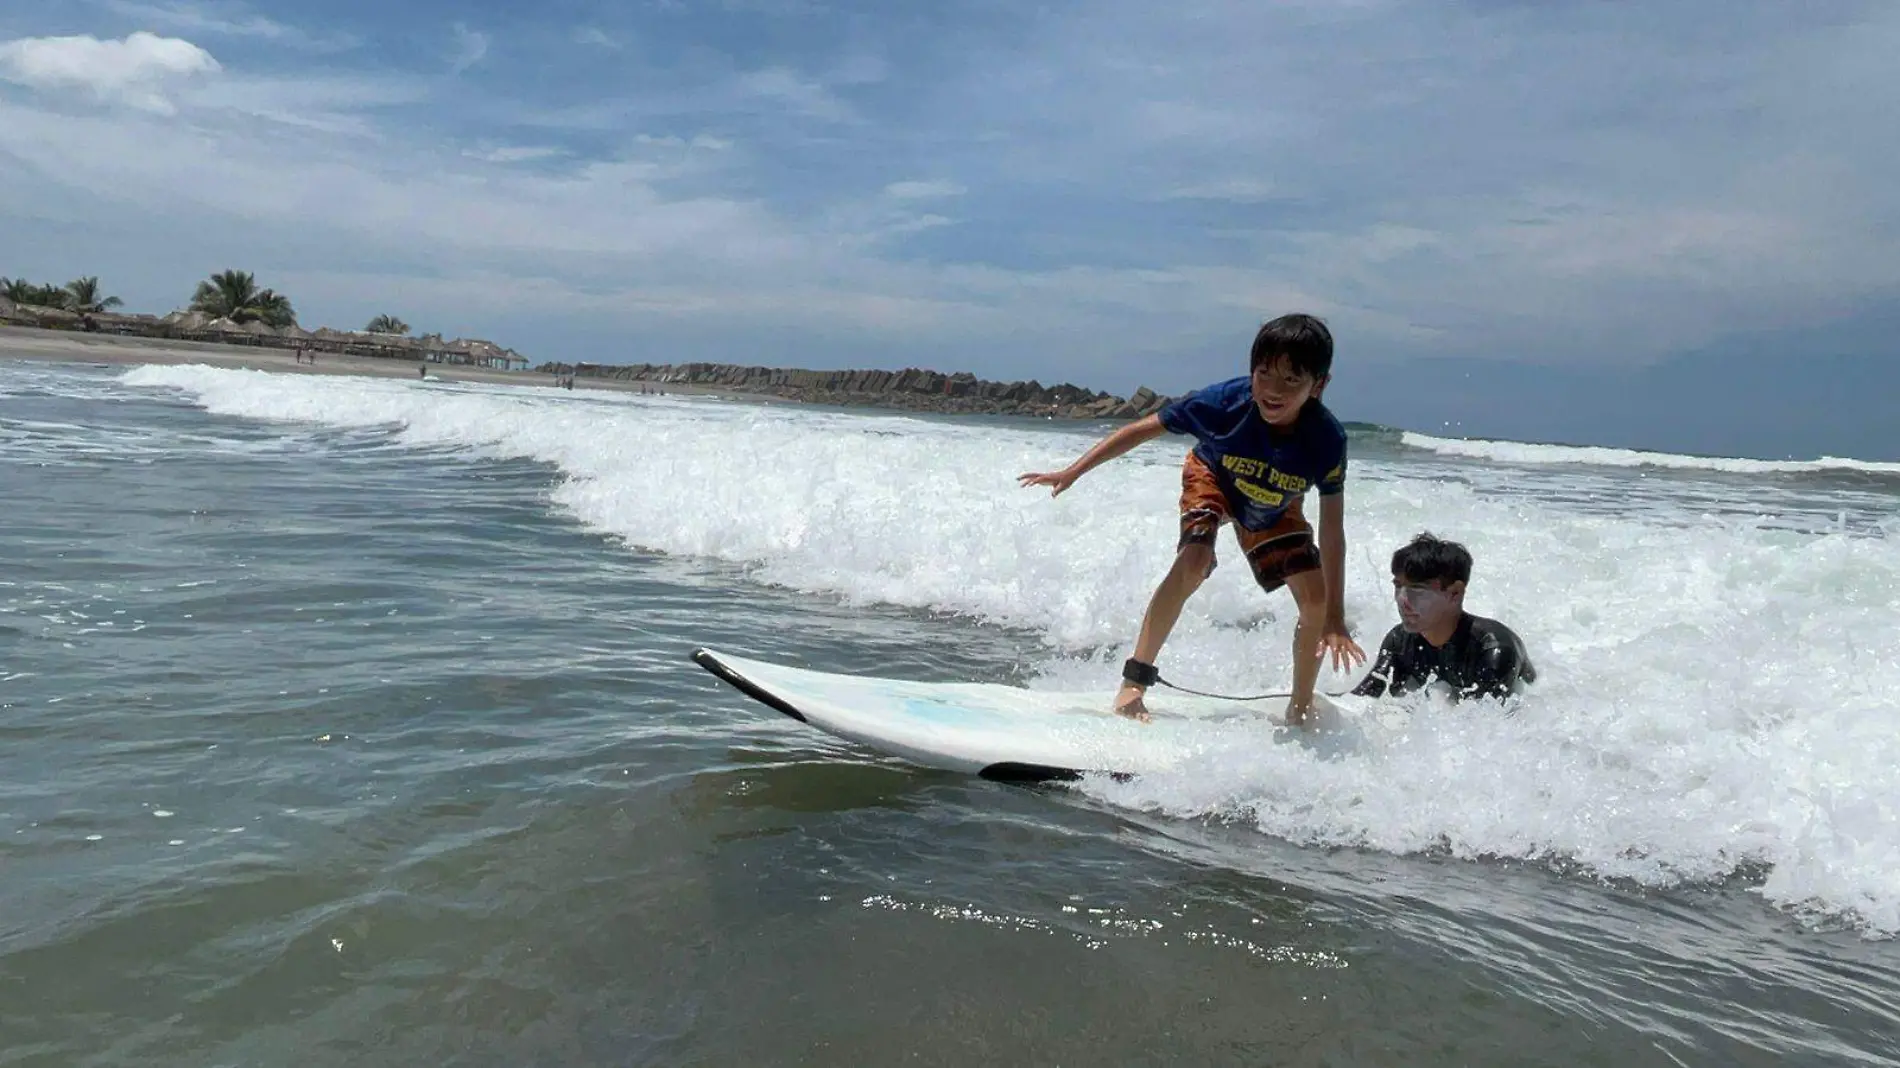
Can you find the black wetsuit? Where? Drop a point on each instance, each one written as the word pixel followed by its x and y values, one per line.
pixel 1483 658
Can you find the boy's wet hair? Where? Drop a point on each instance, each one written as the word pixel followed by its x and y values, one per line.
pixel 1302 339
pixel 1427 558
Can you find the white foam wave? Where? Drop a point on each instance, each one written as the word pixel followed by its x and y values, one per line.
pixel 1518 452
pixel 1715 696
pixel 26 378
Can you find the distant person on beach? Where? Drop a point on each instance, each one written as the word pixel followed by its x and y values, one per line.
pixel 1436 638
pixel 1261 441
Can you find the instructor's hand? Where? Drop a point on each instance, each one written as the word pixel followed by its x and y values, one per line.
pixel 1057 480
pixel 1346 652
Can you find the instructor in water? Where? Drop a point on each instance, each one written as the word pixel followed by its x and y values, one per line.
pixel 1436 638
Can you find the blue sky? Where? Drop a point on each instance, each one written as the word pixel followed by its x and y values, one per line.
pixel 1517 216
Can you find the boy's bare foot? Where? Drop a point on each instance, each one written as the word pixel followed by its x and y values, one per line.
pixel 1128 702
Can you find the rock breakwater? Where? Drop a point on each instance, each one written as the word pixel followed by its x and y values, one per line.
pixel 911 389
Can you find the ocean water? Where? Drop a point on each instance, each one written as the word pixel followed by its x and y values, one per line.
pixel 350 721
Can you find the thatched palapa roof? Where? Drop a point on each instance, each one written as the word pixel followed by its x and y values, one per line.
pixel 188 321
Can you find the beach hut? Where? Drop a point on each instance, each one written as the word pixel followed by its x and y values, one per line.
pixel 108 322
pixel 49 318
pixel 185 322
pixel 457 351
pixel 427 347
pixel 329 340
pixel 490 355
pixel 228 332
pixel 399 346
pixel 299 341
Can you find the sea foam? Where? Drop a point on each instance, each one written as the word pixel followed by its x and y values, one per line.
pixel 1519 452
pixel 1714 700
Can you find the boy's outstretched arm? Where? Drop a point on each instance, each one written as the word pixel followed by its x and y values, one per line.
pixel 1332 566
pixel 1147 428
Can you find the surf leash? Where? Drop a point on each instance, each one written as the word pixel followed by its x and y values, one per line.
pixel 1255 697
pixel 1218 696
pixel 1148 675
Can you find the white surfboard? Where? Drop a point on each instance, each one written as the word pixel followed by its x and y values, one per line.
pixel 1006 732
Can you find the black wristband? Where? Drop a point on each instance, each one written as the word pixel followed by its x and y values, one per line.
pixel 1139 673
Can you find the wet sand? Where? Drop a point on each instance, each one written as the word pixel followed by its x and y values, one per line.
pixel 29 343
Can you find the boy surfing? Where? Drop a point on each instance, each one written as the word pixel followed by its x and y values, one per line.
pixel 1260 442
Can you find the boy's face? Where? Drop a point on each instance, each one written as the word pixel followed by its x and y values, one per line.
pixel 1425 605
pixel 1280 392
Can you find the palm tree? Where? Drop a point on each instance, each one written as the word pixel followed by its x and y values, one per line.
pixel 234 295
pixel 274 308
pixel 387 324
pixel 21 291
pixel 83 296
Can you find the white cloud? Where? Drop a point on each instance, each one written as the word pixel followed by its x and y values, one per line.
pixel 800 94
pixel 1237 190
pixel 699 142
pixel 470 47
pixel 514 153
pixel 600 240
pixel 384 190
pixel 1474 172
pixel 202 18
pixel 226 18
pixel 137 70
pixel 923 190
pixel 328 103
pixel 594 35
pixel 1475 183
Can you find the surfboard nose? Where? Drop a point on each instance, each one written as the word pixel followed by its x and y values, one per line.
pixel 730 675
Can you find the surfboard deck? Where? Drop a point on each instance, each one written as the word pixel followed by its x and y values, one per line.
pixel 1004 733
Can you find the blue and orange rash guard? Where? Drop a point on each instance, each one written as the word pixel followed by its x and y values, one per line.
pixel 1261 470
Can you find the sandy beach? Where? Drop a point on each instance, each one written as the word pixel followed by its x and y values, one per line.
pixel 28 343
